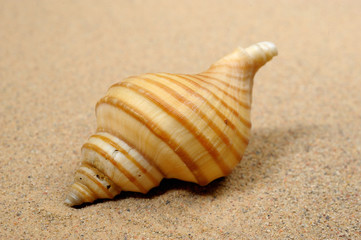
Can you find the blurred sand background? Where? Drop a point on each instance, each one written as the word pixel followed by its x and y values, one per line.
pixel 300 177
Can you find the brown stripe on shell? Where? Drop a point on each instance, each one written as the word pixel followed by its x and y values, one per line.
pixel 215 128
pixel 99 184
pixel 181 118
pixel 199 77
pixel 120 136
pixel 228 64
pixel 230 75
pixel 243 120
pixel 221 115
pixel 116 164
pixel 128 156
pixel 87 194
pixel 104 175
pixel 160 133
pixel 227 85
pixel 204 74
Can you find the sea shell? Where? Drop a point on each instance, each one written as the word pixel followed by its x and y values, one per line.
pixel 153 126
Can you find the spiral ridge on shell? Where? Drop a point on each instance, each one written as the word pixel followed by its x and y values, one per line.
pixel 160 125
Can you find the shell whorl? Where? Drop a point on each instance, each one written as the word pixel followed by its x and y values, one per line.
pixel 261 53
pixel 110 166
pixel 153 126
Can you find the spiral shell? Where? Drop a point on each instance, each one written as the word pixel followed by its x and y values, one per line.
pixel 158 125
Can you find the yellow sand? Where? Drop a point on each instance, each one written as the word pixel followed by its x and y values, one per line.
pixel 300 177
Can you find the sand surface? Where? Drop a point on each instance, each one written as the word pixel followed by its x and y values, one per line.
pixel 300 177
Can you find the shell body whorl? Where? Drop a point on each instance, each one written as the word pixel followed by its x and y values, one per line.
pixel 153 126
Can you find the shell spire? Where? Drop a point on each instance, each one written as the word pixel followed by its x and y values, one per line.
pixel 261 53
pixel 257 55
pixel 158 125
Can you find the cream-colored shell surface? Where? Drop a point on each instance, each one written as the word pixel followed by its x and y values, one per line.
pixel 159 125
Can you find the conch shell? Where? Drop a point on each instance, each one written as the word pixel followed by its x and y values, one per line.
pixel 158 125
